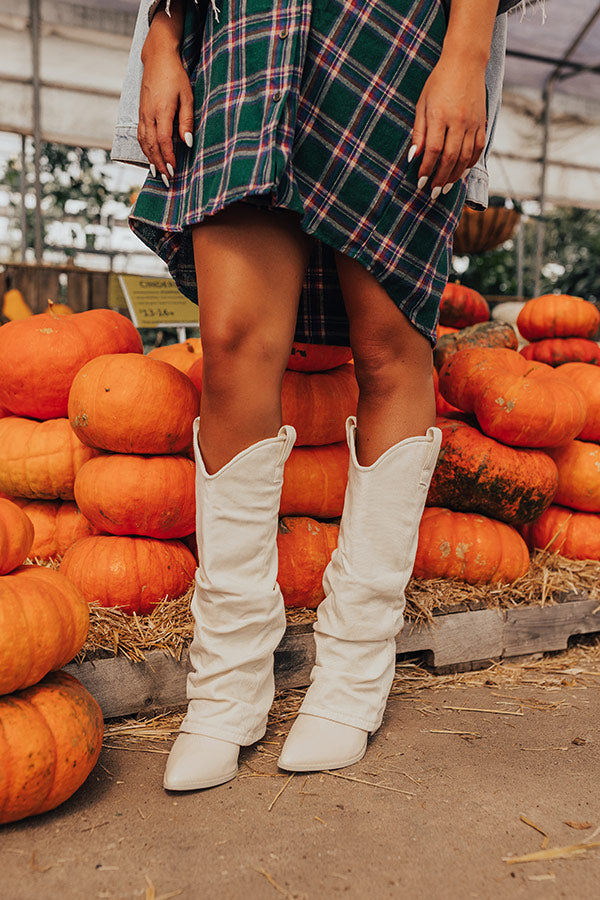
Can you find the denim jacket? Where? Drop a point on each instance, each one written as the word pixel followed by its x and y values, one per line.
pixel 125 144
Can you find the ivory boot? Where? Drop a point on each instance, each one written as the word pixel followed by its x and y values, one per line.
pixel 357 622
pixel 238 611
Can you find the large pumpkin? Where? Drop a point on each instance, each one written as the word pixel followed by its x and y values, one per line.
pixel 144 495
pixel 56 523
pixel 314 481
pixel 317 404
pixel 463 376
pixel 468 547
pixel 578 465
pixel 40 356
pixel 50 740
pixel 129 403
pixel 485 334
pixel 317 357
pixel 557 351
pixel 40 459
pixel 462 306
pixel 134 573
pixel 304 547
pixel 575 535
pixel 182 356
pixel 475 473
pixel 558 315
pixel 16 536
pixel 586 379
pixel 43 624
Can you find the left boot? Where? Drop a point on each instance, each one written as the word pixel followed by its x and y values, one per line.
pixel 357 622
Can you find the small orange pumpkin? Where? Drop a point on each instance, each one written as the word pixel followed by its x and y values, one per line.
pixel 462 306
pixel 182 356
pixel 16 536
pixel 557 351
pixel 558 316
pixel 578 464
pixel 56 524
pixel 575 535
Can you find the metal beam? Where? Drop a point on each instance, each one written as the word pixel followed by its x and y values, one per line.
pixel 35 30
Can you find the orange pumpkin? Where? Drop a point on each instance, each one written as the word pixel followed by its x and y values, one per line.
pixel 317 357
pixel 464 374
pixel 56 524
pixel 40 459
pixel 462 306
pixel 16 536
pixel 468 547
pixel 145 495
pixel 59 309
pixel 304 547
pixel 134 573
pixel 475 473
pixel 578 465
pixel 50 740
pixel 44 622
pixel 314 481
pixel 485 334
pixel 40 356
pixel 129 403
pixel 586 379
pixel 317 404
pixel 558 315
pixel 557 351
pixel 182 356
pixel 14 305
pixel 575 535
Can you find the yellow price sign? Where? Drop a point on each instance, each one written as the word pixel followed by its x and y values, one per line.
pixel 154 302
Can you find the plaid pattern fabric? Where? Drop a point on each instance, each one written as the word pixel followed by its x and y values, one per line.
pixel 309 105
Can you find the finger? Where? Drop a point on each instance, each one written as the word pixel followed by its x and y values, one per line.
pixel 155 152
pixel 164 136
pixel 463 160
pixel 186 116
pixel 434 145
pixel 478 146
pixel 448 158
pixel 418 133
pixel 147 141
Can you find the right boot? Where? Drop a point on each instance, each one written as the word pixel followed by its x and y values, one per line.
pixel 238 610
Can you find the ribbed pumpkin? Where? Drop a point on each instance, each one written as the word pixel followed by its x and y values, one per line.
pixel 575 535
pixel 314 481
pixel 144 495
pixel 317 357
pixel 586 379
pixel 464 375
pixel 578 465
pixel 56 523
pixel 475 473
pixel 468 547
pixel 44 622
pixel 486 334
pixel 182 356
pixel 16 536
pixel 134 573
pixel 304 547
pixel 129 403
pixel 40 356
pixel 558 315
pixel 462 306
pixel 39 460
pixel 50 740
pixel 317 404
pixel 557 351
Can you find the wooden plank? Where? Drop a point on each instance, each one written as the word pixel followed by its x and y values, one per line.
pixel 457 638
pixel 538 628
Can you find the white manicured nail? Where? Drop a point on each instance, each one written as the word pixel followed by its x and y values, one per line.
pixel 165 180
pixel 170 169
pixel 153 170
pixel 188 138
pixel 436 192
pixel 411 152
pixel 447 187
pixel 422 182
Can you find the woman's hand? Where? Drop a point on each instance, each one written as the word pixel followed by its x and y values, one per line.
pixel 450 122
pixel 165 93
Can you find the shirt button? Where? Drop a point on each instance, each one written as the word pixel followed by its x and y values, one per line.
pixel 277 96
pixel 283 34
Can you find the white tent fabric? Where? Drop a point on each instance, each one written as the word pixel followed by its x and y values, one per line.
pixel 83 54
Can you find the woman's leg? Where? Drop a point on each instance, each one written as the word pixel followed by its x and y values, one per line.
pixel 250 266
pixel 393 450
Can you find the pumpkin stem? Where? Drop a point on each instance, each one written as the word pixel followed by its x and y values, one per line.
pixel 50 309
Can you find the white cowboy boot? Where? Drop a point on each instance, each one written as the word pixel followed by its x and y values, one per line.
pixel 357 622
pixel 238 610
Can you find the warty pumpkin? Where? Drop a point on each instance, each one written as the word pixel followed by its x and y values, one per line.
pixel 314 481
pixel 578 464
pixel 143 495
pixel 485 334
pixel 16 536
pixel 129 403
pixel 575 535
pixel 304 547
pixel 317 404
pixel 558 315
pixel 557 351
pixel 39 460
pixel 586 379
pixel 56 525
pixel 50 740
pixel 134 573
pixel 44 622
pixel 317 357
pixel 40 356
pixel 462 306
pixel 182 355
pixel 475 473
pixel 468 547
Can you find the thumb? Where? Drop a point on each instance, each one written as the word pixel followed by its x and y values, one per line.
pixel 186 116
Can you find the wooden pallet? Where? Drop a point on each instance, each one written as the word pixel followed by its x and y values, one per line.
pixel 458 636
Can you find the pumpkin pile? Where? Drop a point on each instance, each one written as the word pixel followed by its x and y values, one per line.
pixel 51 728
pixel 560 328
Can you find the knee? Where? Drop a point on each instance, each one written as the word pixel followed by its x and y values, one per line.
pixel 234 349
pixel 383 361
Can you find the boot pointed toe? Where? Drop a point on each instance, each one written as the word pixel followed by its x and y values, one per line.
pixel 316 743
pixel 198 761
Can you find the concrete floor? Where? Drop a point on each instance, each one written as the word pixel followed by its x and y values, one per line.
pixel 122 836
